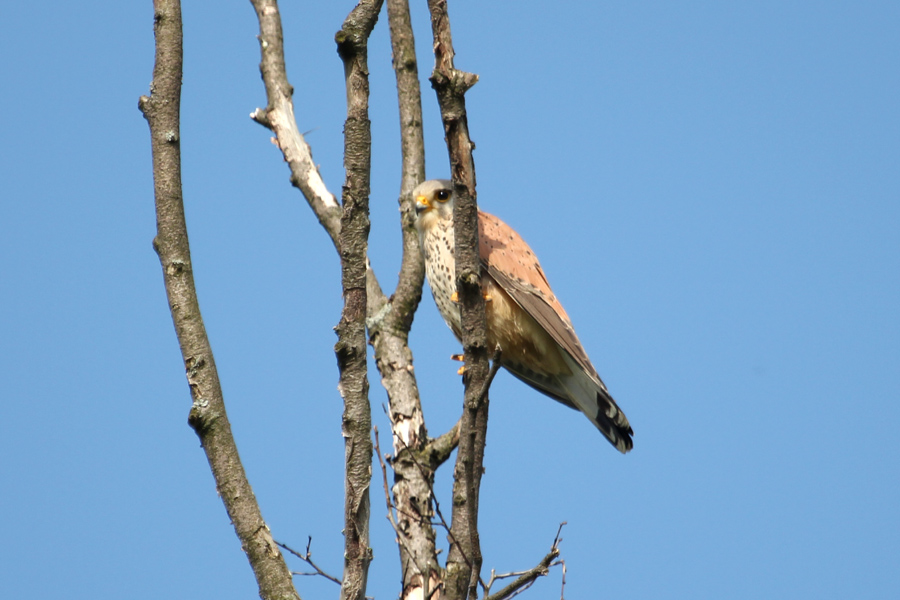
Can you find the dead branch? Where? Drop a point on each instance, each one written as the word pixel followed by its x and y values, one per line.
pixel 207 417
pixel 307 558
pixel 562 589
pixel 419 570
pixel 525 579
pixel 278 116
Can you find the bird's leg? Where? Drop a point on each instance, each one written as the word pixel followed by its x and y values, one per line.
pixel 495 366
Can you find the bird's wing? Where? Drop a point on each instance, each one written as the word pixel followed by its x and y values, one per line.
pixel 515 268
pixel 511 263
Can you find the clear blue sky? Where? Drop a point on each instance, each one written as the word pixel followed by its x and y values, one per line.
pixel 713 189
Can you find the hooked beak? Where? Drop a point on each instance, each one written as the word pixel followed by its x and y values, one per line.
pixel 422 204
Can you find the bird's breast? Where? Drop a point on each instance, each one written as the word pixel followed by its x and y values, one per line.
pixel 520 338
pixel 440 269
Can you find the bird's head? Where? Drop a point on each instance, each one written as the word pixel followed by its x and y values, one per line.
pixel 434 202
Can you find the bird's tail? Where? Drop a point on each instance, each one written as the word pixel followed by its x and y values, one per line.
pixel 590 395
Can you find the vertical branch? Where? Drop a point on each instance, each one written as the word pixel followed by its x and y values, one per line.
pixel 207 416
pixel 464 559
pixel 351 346
pixel 412 146
pixel 413 482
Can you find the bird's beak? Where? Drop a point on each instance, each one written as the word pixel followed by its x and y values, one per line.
pixel 422 204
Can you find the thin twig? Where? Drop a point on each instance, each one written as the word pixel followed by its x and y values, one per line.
pixel 562 589
pixel 390 508
pixel 307 558
pixel 387 491
pixel 437 504
pixel 525 579
pixel 390 503
pixel 424 473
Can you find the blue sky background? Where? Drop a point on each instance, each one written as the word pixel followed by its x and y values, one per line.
pixel 712 188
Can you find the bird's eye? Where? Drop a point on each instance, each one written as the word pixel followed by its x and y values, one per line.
pixel 443 195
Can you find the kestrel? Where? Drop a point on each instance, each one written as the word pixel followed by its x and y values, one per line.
pixel 524 318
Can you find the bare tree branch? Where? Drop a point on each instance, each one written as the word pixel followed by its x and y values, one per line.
pixel 307 558
pixel 408 554
pixel 388 320
pixel 413 486
pixel 525 579
pixel 352 40
pixel 207 416
pixel 278 116
pixel 430 454
pixel 413 493
pixel 434 457
pixel 562 588
pixel 439 449
pixel 451 86
pixel 412 144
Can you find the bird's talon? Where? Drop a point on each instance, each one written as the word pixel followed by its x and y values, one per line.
pixel 458 357
pixel 461 370
pixel 454 297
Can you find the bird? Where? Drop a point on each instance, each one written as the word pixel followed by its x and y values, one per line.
pixel 524 318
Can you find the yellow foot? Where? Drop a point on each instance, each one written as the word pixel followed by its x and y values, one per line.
pixel 461 370
pixel 454 297
pixel 458 357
